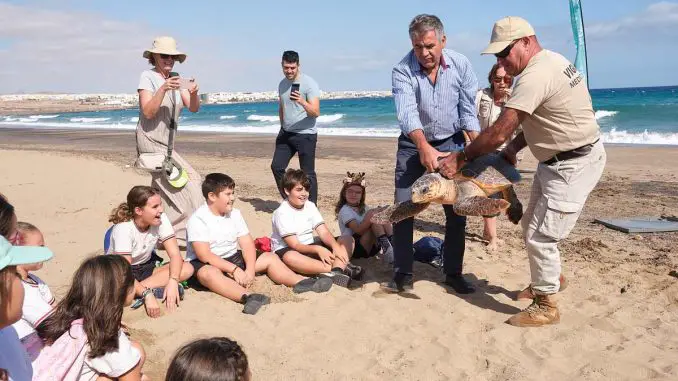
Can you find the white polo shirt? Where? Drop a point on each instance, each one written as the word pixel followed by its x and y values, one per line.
pixel 126 239
pixel 221 232
pixel 37 306
pixel 289 221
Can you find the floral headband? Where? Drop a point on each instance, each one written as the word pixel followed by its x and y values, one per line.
pixel 357 178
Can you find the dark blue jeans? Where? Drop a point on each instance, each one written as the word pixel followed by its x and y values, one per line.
pixel 408 169
pixel 286 145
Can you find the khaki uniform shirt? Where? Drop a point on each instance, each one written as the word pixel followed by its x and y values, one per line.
pixel 560 114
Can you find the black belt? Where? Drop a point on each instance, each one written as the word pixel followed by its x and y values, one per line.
pixel 571 154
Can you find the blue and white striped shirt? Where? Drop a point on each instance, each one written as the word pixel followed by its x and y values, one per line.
pixel 439 110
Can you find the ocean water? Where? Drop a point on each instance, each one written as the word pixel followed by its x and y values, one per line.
pixel 646 115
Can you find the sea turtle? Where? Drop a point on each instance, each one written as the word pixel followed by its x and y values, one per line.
pixel 468 191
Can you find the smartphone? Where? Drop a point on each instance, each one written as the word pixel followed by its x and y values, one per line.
pixel 186 83
pixel 295 87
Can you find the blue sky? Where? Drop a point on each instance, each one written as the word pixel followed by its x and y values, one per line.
pixel 95 46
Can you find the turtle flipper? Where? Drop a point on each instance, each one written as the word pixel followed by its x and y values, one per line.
pixel 515 210
pixel 398 212
pixel 480 206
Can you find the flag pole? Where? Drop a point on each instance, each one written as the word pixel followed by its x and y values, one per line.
pixel 586 55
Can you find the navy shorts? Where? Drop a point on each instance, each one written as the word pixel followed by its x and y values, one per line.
pixel 281 252
pixel 237 259
pixel 360 252
pixel 145 270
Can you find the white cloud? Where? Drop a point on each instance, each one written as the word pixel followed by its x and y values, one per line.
pixel 55 49
pixel 659 17
pixel 68 50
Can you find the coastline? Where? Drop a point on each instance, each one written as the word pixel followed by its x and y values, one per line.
pixel 26 104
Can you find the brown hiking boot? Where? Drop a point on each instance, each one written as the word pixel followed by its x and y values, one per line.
pixel 542 311
pixel 528 292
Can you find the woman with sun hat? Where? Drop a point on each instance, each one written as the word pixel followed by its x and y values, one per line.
pixel 162 95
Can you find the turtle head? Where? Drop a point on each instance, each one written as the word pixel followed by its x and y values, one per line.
pixel 428 188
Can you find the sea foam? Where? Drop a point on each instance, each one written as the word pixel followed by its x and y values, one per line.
pixel 645 137
pixel 600 114
pixel 263 118
pixel 88 120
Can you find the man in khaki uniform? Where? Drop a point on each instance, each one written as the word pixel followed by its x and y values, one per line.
pixel 551 101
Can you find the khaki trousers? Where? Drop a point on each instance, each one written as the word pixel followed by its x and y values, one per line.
pixel 559 192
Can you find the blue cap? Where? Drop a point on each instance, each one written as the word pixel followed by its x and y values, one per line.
pixel 22 255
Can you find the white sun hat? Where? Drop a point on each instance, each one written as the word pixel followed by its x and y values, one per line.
pixel 165 45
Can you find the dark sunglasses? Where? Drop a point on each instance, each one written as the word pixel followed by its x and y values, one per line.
pixel 166 56
pixel 507 50
pixel 506 79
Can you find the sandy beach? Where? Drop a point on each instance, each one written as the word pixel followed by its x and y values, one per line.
pixel 619 314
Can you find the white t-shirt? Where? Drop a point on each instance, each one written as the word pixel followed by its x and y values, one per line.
pixel 126 239
pixel 151 80
pixel 221 232
pixel 13 357
pixel 288 221
pixel 37 306
pixel 346 215
pixel 113 364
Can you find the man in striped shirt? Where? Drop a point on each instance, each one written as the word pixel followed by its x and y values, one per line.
pixel 434 91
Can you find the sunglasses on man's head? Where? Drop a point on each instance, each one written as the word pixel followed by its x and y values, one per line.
pixel 507 50
pixel 166 56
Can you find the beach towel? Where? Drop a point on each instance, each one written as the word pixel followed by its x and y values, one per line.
pixel 63 360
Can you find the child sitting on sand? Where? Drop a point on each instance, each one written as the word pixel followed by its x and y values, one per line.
pixel 140 225
pixel 354 220
pixel 294 223
pixel 38 299
pixel 216 358
pixel 214 232
pixel 84 339
pixel 14 363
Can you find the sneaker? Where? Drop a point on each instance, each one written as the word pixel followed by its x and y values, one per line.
pixel 253 302
pixel 338 278
pixel 137 303
pixel 459 284
pixel 399 283
pixel 542 311
pixel 159 292
pixel 354 271
pixel 313 284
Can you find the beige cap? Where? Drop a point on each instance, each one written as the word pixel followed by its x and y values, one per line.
pixel 165 45
pixel 507 30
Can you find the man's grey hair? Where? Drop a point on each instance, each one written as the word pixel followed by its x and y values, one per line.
pixel 423 23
